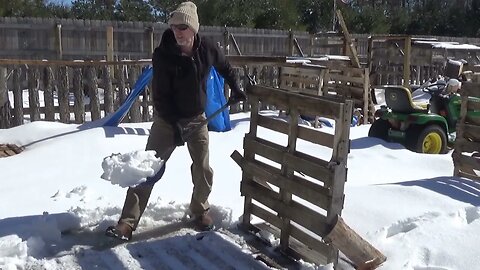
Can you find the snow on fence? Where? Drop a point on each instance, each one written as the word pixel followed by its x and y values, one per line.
pixel 299 196
pixel 466 156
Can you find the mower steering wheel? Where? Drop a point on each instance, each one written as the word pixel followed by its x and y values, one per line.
pixel 440 87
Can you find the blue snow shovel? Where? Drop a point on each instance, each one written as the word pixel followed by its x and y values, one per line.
pixel 117 117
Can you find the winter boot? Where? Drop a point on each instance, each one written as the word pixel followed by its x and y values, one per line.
pixel 203 222
pixel 122 231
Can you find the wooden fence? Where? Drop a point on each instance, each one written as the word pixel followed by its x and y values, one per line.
pixel 331 80
pixel 295 175
pixel 406 60
pixel 79 91
pixel 78 87
pixel 466 156
pixel 68 39
pixel 352 83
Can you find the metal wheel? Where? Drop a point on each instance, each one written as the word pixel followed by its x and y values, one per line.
pixel 432 143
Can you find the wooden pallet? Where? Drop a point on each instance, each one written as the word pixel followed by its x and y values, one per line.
pixel 288 258
pixel 7 150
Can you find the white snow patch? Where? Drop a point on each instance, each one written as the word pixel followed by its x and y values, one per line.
pixel 130 169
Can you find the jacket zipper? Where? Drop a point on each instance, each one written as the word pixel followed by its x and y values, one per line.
pixel 195 72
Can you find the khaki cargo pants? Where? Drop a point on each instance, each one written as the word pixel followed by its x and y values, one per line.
pixel 161 139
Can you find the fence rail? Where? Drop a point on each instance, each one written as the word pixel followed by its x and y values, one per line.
pixel 68 91
pixel 69 39
pixel 55 39
pixel 79 91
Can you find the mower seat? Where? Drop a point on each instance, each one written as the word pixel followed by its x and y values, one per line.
pixel 399 99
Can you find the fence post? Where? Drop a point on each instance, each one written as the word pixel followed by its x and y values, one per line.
pixel 312 44
pixel 108 99
pixel 48 85
pixel 151 36
pixel 4 103
pixel 120 85
pixel 17 97
pixel 58 41
pixel 406 62
pixel 78 86
pixel 92 90
pixel 226 41
pixel 33 101
pixel 134 114
pixel 63 95
pixel 290 42
pixel 109 43
pixel 110 46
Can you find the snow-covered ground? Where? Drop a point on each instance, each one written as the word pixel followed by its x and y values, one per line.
pixel 408 205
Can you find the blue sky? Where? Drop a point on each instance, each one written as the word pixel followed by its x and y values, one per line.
pixel 61 1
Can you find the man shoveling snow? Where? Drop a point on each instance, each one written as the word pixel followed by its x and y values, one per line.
pixel 181 65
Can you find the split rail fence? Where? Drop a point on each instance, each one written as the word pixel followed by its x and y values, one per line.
pixel 466 154
pixel 278 178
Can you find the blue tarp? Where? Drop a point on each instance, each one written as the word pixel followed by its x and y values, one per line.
pixel 215 100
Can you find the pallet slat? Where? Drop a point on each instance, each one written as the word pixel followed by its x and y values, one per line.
pixel 304 216
pixel 311 106
pixel 305 189
pixel 310 166
pixel 297 249
pixel 308 134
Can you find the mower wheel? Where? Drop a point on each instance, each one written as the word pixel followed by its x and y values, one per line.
pixel 430 139
pixel 379 129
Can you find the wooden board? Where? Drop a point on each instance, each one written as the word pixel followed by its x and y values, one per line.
pixel 296 249
pixel 294 211
pixel 7 150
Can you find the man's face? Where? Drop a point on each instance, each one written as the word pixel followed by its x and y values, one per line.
pixel 183 34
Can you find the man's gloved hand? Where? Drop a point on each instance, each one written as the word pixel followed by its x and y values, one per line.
pixel 237 97
pixel 178 133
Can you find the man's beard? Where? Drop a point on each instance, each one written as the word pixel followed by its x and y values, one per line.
pixel 184 42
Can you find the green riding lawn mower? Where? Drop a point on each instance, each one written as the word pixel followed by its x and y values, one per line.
pixel 424 128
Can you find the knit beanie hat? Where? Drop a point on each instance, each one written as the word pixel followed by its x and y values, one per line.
pixel 186 13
